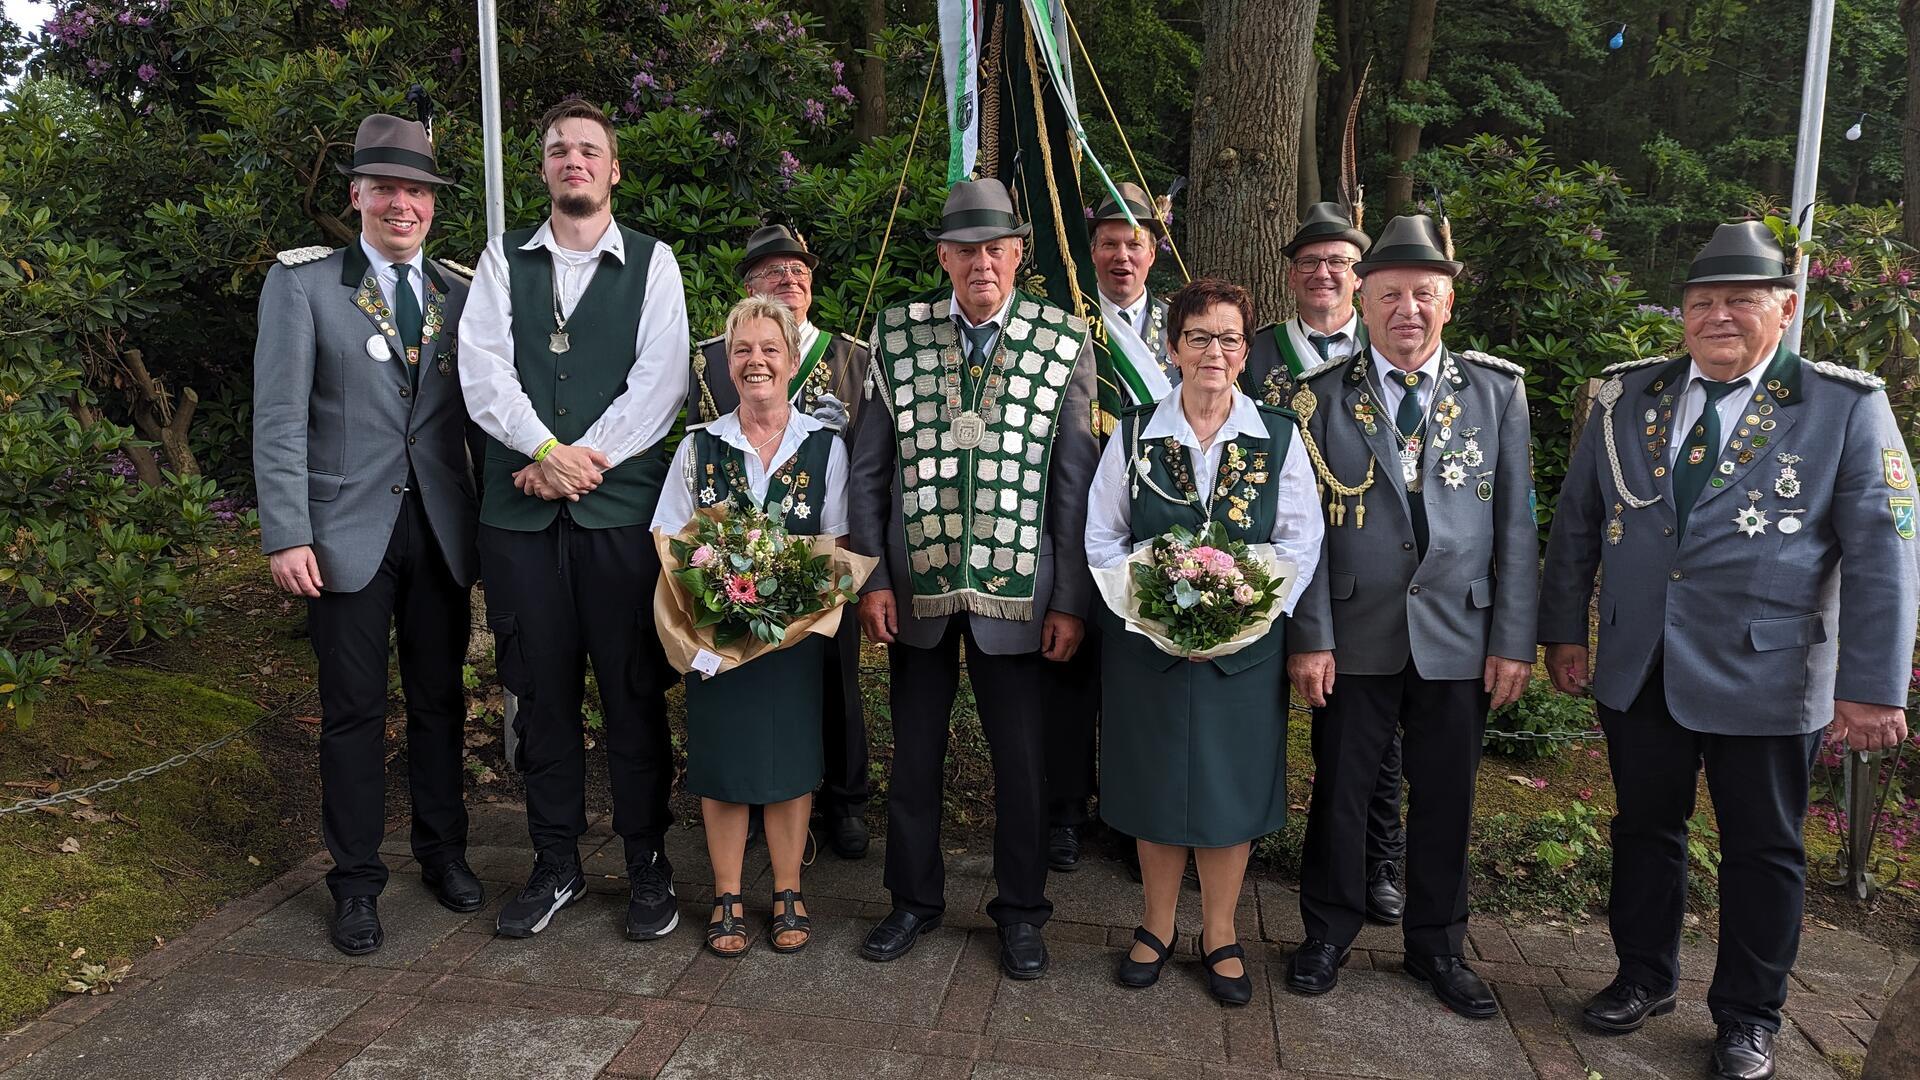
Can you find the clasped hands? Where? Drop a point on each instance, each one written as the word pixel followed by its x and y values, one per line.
pixel 567 472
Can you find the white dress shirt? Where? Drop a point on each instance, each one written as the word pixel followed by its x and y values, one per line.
pixel 998 322
pixel 387 277
pixel 1733 406
pixel 1134 315
pixel 1341 344
pixel 1297 526
pixel 1393 390
pixel 657 383
pixel 677 501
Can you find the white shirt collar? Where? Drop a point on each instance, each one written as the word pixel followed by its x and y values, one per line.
pixel 1351 328
pixel 1383 368
pixel 1133 311
pixel 1751 378
pixel 611 242
pixel 799 426
pixel 383 266
pixel 999 317
pixel 1170 419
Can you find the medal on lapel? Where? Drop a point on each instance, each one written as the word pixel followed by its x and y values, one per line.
pixel 377 348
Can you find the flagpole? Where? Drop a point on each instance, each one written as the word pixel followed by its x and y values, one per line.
pixel 490 117
pixel 1806 163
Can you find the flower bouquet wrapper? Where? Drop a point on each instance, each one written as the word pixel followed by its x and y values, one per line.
pixel 1116 587
pixel 673 614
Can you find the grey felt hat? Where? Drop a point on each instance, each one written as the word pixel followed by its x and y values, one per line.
pixel 776 240
pixel 1136 200
pixel 978 211
pixel 1742 251
pixel 389 146
pixel 1410 240
pixel 1326 221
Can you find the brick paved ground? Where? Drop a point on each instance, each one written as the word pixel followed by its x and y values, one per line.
pixel 256 991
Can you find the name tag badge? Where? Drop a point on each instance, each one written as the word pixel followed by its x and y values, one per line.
pixel 377 348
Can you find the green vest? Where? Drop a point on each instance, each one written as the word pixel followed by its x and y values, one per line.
pixel 1245 496
pixel 796 491
pixel 570 390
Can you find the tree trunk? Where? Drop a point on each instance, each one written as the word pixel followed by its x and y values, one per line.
pixel 870 114
pixel 1258 59
pixel 1403 136
pixel 1310 143
pixel 1341 86
pixel 1910 139
pixel 158 419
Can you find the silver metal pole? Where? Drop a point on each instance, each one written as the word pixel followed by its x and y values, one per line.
pixel 490 116
pixel 1806 163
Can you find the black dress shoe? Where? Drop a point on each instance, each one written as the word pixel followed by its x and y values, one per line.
pixel 1454 983
pixel 893 938
pixel 1229 989
pixel 356 925
pixel 1315 966
pixel 847 836
pixel 1741 1052
pixel 1023 953
pixel 1385 900
pixel 454 885
pixel 1063 848
pixel 1623 1006
pixel 1136 975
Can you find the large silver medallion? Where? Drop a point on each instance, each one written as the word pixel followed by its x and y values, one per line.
pixel 968 430
pixel 557 342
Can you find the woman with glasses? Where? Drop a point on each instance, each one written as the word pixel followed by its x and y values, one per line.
pixel 1193 753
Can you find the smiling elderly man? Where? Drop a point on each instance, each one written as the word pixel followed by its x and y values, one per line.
pixel 1737 500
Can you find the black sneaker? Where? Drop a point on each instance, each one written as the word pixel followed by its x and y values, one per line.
pixel 554 885
pixel 651 909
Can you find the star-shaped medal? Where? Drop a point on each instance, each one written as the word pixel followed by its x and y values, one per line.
pixel 802 511
pixel 1752 521
pixel 708 496
pixel 1453 474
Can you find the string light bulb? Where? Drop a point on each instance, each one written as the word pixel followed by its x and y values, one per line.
pixel 1619 38
pixel 1853 133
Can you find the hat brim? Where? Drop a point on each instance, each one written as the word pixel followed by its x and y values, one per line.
pixel 1146 221
pixel 747 263
pixel 1791 281
pixel 394 172
pixel 979 234
pixel 1407 255
pixel 1303 238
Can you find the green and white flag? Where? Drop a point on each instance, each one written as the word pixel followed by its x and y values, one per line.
pixel 1049 21
pixel 960 34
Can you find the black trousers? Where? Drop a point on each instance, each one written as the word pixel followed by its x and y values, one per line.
pixel 1009 692
pixel 556 599
pixel 1071 724
pixel 1759 785
pixel 414 592
pixel 844 789
pixel 1386 839
pixel 1440 724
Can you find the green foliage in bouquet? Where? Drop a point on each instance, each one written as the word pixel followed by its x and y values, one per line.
pixel 748 575
pixel 1203 588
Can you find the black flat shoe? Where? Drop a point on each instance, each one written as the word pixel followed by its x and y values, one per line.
pixel 1023 952
pixel 1063 848
pixel 454 885
pixel 847 836
pixel 1454 983
pixel 356 925
pixel 785 918
pixel 1385 900
pixel 1623 1006
pixel 1136 975
pixel 1314 968
pixel 1741 1052
pixel 893 938
pixel 1229 990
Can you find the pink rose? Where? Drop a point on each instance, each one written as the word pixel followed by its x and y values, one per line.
pixel 701 556
pixel 1243 595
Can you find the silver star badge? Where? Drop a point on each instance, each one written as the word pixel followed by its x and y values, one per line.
pixel 1752 521
pixel 1453 474
pixel 803 511
pixel 708 496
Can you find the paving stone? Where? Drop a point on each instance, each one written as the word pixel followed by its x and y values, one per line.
pixel 195 1027
pixel 860 880
pixel 1101 893
pixel 712 1055
pixel 1317 1034
pixel 1279 907
pixel 413 920
pixel 585 947
pixel 1674 1046
pixel 687 850
pixel 1838 962
pixel 995 1070
pixel 831 978
pixel 445 1039
pixel 1077 1002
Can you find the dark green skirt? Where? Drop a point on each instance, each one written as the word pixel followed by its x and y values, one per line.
pixel 1190 755
pixel 753 733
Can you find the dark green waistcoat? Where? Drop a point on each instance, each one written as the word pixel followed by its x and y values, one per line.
pixel 797 489
pixel 570 390
pixel 1245 498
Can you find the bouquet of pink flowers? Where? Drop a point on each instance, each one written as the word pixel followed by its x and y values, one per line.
pixel 747 577
pixel 1204 592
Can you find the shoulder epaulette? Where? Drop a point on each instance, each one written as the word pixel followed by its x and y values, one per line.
pixel 709 341
pixel 1631 365
pixel 1320 369
pixel 300 256
pixel 459 269
pixel 1490 361
pixel 1277 410
pixel 1845 374
pixel 1263 329
pixel 852 340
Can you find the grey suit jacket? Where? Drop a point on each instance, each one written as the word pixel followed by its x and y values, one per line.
pixel 337 431
pixel 1375 602
pixel 1061 580
pixel 1744 616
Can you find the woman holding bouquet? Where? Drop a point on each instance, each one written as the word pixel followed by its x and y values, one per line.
pixel 753 732
pixel 1193 752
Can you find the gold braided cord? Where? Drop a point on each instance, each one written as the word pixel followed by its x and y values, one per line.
pixel 880 260
pixel 1304 404
pixel 1139 173
pixel 1046 163
pixel 988 163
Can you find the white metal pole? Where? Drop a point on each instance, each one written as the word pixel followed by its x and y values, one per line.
pixel 490 117
pixel 1806 164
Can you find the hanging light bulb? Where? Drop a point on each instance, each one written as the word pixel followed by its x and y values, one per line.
pixel 1853 133
pixel 1619 37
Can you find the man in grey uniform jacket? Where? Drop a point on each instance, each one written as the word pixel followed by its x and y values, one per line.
pixel 367 509
pixel 1419 617
pixel 1738 500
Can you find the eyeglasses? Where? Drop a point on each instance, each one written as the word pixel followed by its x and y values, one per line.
pixel 783 272
pixel 1334 263
pixel 1198 340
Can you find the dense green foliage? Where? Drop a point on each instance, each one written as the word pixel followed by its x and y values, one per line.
pixel 1541 711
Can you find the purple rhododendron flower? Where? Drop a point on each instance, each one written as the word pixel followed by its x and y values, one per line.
pixel 727 139
pixel 840 91
pixel 788 164
pixel 147 72
pixel 814 112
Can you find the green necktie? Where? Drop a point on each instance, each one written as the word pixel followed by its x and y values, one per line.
pixel 1408 419
pixel 1698 454
pixel 406 316
pixel 1320 343
pixel 978 338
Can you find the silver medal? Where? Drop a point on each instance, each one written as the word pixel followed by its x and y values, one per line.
pixel 377 348
pixel 557 342
pixel 968 430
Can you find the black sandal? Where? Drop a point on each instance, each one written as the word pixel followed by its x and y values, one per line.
pixel 781 922
pixel 728 925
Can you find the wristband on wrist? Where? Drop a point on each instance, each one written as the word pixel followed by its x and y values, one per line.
pixel 545 449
